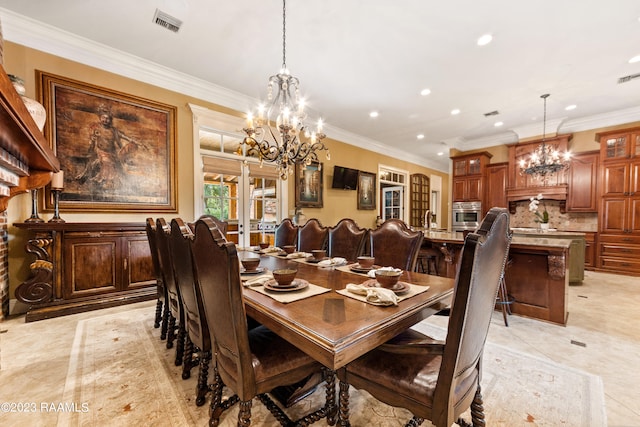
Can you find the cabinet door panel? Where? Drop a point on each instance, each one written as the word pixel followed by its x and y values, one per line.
pixel 474 192
pixel 614 179
pixel 582 191
pixel 138 267
pixel 459 186
pixel 614 214
pixel 90 268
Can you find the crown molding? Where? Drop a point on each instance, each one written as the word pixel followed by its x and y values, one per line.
pixel 603 120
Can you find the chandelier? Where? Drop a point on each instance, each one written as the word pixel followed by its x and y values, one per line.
pixel 290 141
pixel 546 159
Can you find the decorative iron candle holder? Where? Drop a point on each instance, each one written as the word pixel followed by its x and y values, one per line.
pixel 34 208
pixel 56 188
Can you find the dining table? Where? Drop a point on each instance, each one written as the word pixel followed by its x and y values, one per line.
pixel 331 325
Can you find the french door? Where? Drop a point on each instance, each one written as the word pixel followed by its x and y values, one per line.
pixel 393 202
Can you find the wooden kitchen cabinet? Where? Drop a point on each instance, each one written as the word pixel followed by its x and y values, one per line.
pixel 582 193
pixel 590 248
pixel 468 176
pixel 86 266
pixel 496 184
pixel 619 214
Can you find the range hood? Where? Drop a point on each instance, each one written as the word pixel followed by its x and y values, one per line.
pixel 555 192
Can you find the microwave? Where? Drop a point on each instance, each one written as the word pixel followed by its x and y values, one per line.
pixel 466 215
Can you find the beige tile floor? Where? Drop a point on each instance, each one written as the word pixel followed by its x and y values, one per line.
pixel 603 318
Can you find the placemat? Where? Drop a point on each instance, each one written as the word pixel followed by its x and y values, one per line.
pixel 413 291
pixel 347 268
pixel 287 297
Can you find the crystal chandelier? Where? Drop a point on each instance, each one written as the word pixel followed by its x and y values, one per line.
pixel 290 141
pixel 546 159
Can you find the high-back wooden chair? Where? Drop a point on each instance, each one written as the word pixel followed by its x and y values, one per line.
pixel 439 381
pixel 312 235
pixel 393 244
pixel 249 362
pixel 286 233
pixel 223 226
pixel 176 310
pixel 346 240
pixel 196 327
pixel 162 309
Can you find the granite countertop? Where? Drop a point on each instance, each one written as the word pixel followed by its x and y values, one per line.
pixel 551 232
pixel 524 239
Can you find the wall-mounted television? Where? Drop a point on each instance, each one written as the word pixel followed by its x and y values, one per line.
pixel 344 178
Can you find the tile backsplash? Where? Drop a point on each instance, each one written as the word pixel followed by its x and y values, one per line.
pixel 569 221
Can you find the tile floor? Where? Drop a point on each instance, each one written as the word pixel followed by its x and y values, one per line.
pixel 601 337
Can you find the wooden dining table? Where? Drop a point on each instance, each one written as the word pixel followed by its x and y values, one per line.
pixel 333 328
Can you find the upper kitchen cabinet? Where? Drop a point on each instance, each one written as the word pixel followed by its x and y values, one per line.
pixel 468 176
pixel 619 145
pixel 496 184
pixel 583 182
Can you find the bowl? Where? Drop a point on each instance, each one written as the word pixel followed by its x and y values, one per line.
pixel 319 254
pixel 366 261
pixel 284 277
pixel 250 264
pixel 264 245
pixel 289 249
pixel 388 278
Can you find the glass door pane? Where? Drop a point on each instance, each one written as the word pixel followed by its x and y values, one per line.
pixel 221 199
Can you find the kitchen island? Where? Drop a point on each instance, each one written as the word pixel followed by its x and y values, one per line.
pixel 537 273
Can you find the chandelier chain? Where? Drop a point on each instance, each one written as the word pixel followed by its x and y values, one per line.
pixel 284 34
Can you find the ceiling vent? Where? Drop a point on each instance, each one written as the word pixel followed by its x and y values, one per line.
pixel 628 78
pixel 167 21
pixel 492 113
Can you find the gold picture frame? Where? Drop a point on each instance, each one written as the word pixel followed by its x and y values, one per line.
pixel 366 190
pixel 117 151
pixel 308 185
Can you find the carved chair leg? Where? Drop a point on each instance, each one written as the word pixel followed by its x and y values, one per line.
pixel 171 331
pixel 477 410
pixel 158 318
pixel 215 408
pixel 203 374
pixel 343 407
pixel 244 415
pixel 187 357
pixel 414 422
pixel 180 344
pixel 165 322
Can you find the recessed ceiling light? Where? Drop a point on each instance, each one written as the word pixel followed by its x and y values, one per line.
pixel 485 39
pixel 570 107
pixel 373 114
pixel 420 136
pixel 440 153
pixel 425 92
pixel 455 111
pixel 634 59
pixel 498 124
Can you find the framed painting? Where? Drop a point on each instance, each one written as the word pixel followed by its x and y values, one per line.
pixel 117 151
pixel 308 185
pixel 366 190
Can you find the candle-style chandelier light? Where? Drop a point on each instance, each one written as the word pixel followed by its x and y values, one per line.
pixel 546 159
pixel 277 133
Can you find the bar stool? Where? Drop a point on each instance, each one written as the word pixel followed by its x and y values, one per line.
pixel 503 299
pixel 430 257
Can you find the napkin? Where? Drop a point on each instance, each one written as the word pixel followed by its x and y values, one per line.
pixel 271 249
pixel 377 296
pixel 299 255
pixel 259 281
pixel 332 262
pixel 372 273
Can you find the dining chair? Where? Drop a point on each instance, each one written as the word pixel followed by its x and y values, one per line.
pixel 197 340
pixel 162 309
pixel 223 226
pixel 440 380
pixel 176 310
pixel 286 233
pixel 346 240
pixel 312 235
pixel 249 362
pixel 393 244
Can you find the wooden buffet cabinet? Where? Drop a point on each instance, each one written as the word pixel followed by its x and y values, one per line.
pixel 85 266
